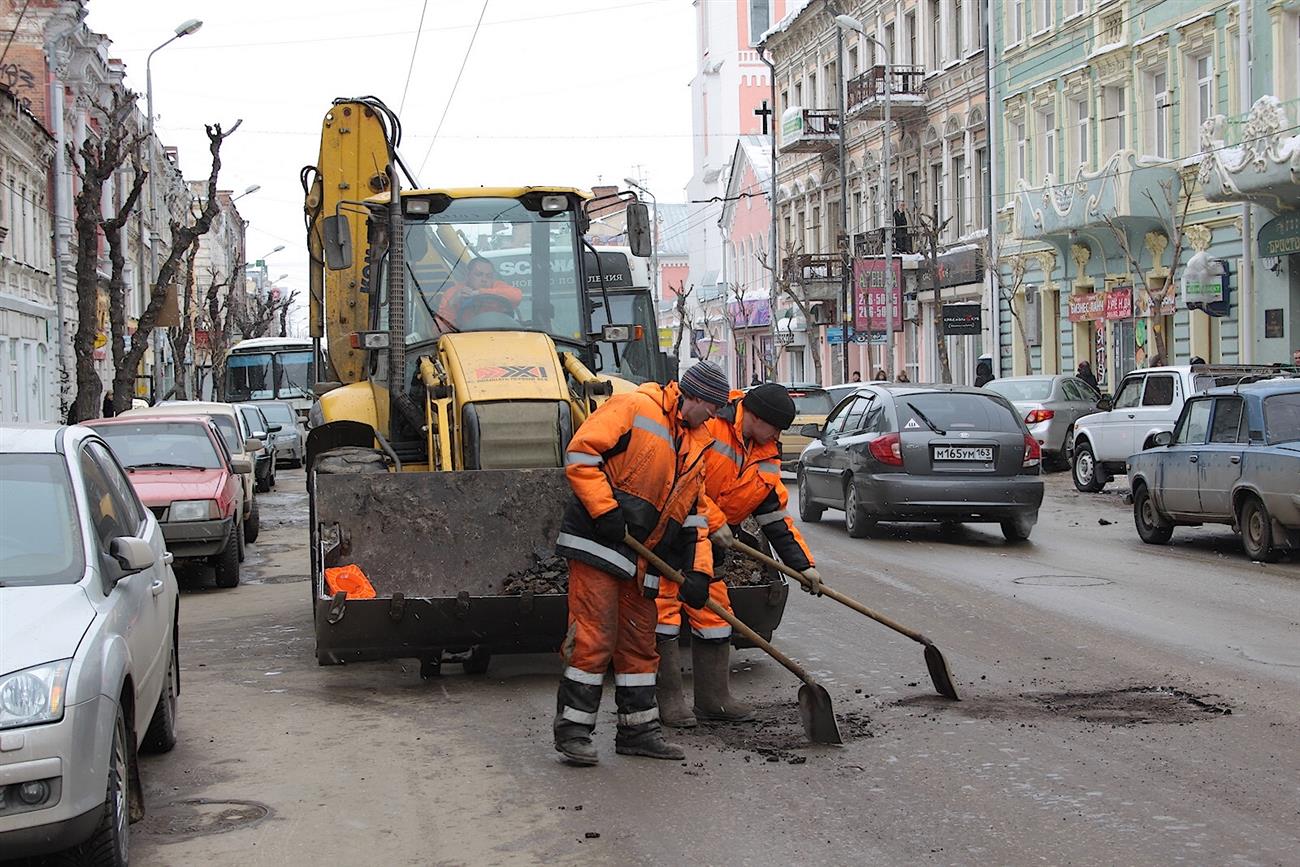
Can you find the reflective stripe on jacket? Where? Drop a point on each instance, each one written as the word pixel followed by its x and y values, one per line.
pixel 743 480
pixel 634 452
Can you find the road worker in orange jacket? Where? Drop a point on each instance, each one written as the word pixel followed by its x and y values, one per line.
pixel 634 467
pixel 742 478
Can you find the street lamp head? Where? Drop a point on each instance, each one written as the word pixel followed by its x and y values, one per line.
pixel 187 27
pixel 252 188
pixel 848 22
pixel 631 183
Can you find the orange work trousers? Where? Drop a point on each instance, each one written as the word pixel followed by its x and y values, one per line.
pixel 610 621
pixel 704 623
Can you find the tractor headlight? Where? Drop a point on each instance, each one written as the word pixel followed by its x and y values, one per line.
pixel 33 695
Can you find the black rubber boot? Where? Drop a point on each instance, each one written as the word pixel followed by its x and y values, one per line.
pixel 578 749
pixel 576 705
pixel 673 710
pixel 713 698
pixel 639 733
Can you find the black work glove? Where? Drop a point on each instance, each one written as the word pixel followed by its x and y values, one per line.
pixel 612 526
pixel 694 591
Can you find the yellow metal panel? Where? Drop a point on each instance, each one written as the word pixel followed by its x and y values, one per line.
pixel 485 192
pixel 354 402
pixel 503 365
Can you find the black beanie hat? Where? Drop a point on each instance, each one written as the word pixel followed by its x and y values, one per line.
pixel 772 403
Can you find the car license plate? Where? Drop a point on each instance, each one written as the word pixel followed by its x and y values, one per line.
pixel 963 453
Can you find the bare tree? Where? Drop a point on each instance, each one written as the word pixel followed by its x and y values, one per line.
pixel 112 229
pixel 217 311
pixel 682 295
pixel 785 284
pixel 183 336
pixel 285 303
pixel 1008 291
pixel 929 228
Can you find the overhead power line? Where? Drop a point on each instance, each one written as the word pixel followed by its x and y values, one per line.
pixel 454 86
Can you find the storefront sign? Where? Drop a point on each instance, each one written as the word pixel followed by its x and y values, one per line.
pixel 1280 236
pixel 961 319
pixel 869 295
pixel 835 334
pixel 1087 306
pixel 1198 292
pixel 1119 303
pixel 750 314
pixel 957 268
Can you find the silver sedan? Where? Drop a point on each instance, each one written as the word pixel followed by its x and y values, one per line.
pixel 1049 405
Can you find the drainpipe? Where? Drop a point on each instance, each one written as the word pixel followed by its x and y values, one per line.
pixel 771 206
pixel 1246 302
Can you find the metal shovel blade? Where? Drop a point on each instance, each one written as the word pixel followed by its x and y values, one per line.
pixel 817 715
pixel 939 673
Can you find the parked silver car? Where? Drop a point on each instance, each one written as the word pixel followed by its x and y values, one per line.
pixel 922 453
pixel 88 645
pixel 1233 458
pixel 1049 405
pixel 290 443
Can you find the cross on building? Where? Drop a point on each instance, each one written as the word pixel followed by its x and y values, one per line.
pixel 764 112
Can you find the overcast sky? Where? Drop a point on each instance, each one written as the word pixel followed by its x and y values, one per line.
pixel 565 92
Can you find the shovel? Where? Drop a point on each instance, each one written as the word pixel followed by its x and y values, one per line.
pixel 934 660
pixel 815 711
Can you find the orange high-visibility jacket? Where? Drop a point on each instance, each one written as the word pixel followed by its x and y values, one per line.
pixel 742 479
pixel 635 452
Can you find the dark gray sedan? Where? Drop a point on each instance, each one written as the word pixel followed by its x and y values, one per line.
pixel 1233 458
pixel 931 453
pixel 1050 405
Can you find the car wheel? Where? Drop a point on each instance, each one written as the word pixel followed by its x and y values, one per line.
pixel 1257 530
pixel 1153 528
pixel 856 521
pixel 161 736
pixel 1017 529
pixel 243 547
pixel 1086 473
pixel 252 524
pixel 809 512
pixel 228 562
pixel 1067 447
pixel 109 845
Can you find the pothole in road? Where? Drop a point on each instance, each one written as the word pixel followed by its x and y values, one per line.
pixel 199 817
pixel 1131 706
pixel 1062 581
pixel 774 734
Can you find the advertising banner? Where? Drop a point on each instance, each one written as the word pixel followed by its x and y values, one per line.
pixel 869 313
pixel 961 319
pixel 1119 303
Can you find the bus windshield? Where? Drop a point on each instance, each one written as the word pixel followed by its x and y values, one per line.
pixel 636 358
pixel 491 264
pixel 269 375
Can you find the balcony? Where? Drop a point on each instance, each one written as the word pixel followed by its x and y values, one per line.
pixel 872 242
pixel 903 84
pixel 809 130
pixel 819 274
pixel 1255 159
pixel 1134 194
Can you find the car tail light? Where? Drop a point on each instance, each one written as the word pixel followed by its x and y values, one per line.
pixel 1033 453
pixel 887 449
pixel 1037 415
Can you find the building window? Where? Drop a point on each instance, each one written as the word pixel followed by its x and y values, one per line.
pixel 816 230
pixel 1204 66
pixel 936 190
pixel 934 36
pixel 1022 155
pixel 959 187
pixel 798 94
pixel 758 20
pixel 812 90
pixel 1047 127
pixel 1082 121
pixel 890 44
pixel 853 69
pixel 979 185
pixel 785 103
pixel 958 43
pixel 1158 130
pixel 1017 21
pixel 857 211
pixel 1114 106
pixel 910 22
pixel 1042 14
pixel 1075 7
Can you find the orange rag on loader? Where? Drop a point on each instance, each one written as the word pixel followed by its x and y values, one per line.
pixel 351 580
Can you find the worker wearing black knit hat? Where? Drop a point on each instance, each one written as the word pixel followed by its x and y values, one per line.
pixel 742 478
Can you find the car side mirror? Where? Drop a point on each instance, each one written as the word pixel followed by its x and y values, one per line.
pixel 241 465
pixel 253 444
pixel 1104 403
pixel 811 430
pixel 276 428
pixel 1164 438
pixel 132 554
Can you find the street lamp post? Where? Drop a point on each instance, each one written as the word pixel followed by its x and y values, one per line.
pixel 846 311
pixel 185 28
pixel 847 22
pixel 654 231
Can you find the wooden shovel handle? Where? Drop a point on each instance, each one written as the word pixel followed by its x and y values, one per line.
pixel 676 577
pixel 833 594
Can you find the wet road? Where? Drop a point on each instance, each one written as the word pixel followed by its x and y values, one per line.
pixel 1122 704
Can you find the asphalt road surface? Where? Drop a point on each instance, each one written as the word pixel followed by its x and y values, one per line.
pixel 1121 704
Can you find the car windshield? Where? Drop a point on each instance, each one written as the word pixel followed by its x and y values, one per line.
pixel 280 413
pixel 159 444
pixel 40 539
pixel 488 264
pixel 950 412
pixel 1021 389
pixel 811 402
pixel 1282 418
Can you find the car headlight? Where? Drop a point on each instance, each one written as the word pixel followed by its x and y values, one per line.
pixel 193 510
pixel 33 695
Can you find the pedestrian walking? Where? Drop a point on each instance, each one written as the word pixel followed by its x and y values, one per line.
pixel 107 410
pixel 983 372
pixel 1085 373
pixel 742 478
pixel 634 468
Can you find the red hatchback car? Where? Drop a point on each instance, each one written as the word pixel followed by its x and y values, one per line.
pixel 181 470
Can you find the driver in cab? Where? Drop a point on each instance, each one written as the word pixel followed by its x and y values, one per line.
pixel 481 292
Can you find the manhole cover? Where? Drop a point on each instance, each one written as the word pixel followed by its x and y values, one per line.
pixel 1063 581
pixel 198 817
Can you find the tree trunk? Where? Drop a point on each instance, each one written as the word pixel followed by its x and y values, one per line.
pixel 89 387
pixel 181 340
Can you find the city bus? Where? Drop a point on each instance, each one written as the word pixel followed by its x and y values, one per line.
pixel 272 368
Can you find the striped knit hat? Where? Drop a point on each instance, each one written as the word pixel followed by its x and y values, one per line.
pixel 706 381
